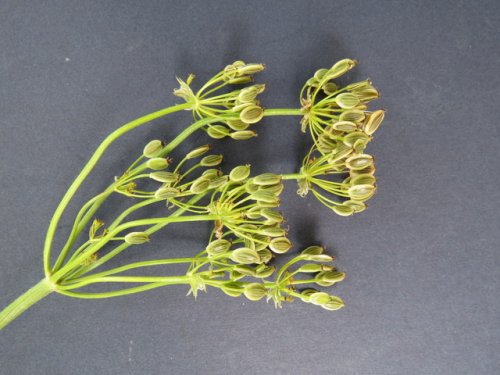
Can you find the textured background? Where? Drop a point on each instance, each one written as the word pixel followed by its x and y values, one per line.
pixel 423 262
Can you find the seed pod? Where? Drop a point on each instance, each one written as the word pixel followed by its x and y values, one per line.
pixel 265 255
pixel 255 291
pixel 355 205
pixel 351 138
pixel 312 82
pixel 275 189
pixel 317 257
pixel 310 268
pixel 272 231
pixel 218 182
pixel 244 255
pixel 280 245
pixel 157 163
pixel 232 289
pixel 343 210
pixel 359 146
pixel 217 131
pixel 328 278
pixel 243 135
pixel 334 303
pixel 340 68
pixel 237 125
pixel 253 213
pixel 153 148
pixel 363 179
pixel 200 185
pixel 166 177
pixel 345 126
pixel 259 241
pixel 374 121
pixel 353 115
pixel 211 160
pixel 319 298
pixel 245 270
pixel 264 271
pixel 252 114
pixel 313 250
pixel 359 161
pixel 211 173
pixel 166 192
pixel 329 88
pixel 306 294
pixel 368 170
pixel 267 179
pixel 339 153
pixel 240 80
pixel 271 215
pixel 239 173
pixel 263 196
pixel 249 69
pixel 218 247
pixel 361 192
pixel 234 275
pixel 136 238
pixel 198 152
pixel 347 100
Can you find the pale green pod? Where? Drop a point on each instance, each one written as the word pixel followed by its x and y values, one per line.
pixel 320 73
pixel 373 122
pixel 319 298
pixel 343 210
pixel 361 192
pixel 312 82
pixel 263 196
pixel 355 136
pixel 241 106
pixel 341 151
pixel 280 245
pixel 250 187
pixel 244 255
pixel 243 135
pixel 166 177
pixel 328 278
pixel 267 179
pixel 310 268
pixel 255 291
pixel 240 80
pixel 359 161
pixel 250 69
pixel 235 276
pixel 218 182
pixel 355 205
pixel 347 100
pixel 353 115
pixel 264 271
pixel 211 173
pixel 153 148
pixel 232 289
pixel 240 173
pixel 200 185
pixel 198 152
pixel 306 294
pixel 166 192
pixel 252 114
pixel 317 257
pixel 261 241
pixel 211 160
pixel 329 88
pixel 218 247
pixel 345 126
pixel 313 250
pixel 363 179
pixel 217 131
pixel 157 163
pixel 136 238
pixel 265 255
pixel 237 125
pixel 253 213
pixel 367 95
pixel 272 215
pixel 367 170
pixel 269 204
pixel 359 146
pixel 275 189
pixel 340 68
pixel 334 303
pixel 272 231
pixel 245 270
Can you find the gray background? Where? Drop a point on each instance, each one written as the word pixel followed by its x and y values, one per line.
pixel 422 290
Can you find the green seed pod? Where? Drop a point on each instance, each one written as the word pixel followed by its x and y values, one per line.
pixel 340 68
pixel 157 163
pixel 363 179
pixel 166 192
pixel 255 291
pixel 250 69
pixel 317 257
pixel 355 136
pixel 252 114
pixel 166 177
pixel 319 298
pixel 211 173
pixel 359 161
pixel 235 276
pixel 243 135
pixel 218 182
pixel 343 210
pixel 280 245
pixel 347 100
pixel 198 152
pixel 340 152
pixel 273 204
pixel 260 241
pixel 153 148
pixel 310 268
pixel 264 271
pixel 272 231
pixel 361 192
pixel 218 247
pixel 313 250
pixel 217 131
pixel 328 278
pixel 353 115
pixel 275 189
pixel 253 213
pixel 200 185
pixel 211 160
pixel 271 215
pixel 239 173
pixel 239 80
pixel 312 82
pixel 245 270
pixel 237 125
pixel 267 179
pixel 250 187
pixel 265 255
pixel 368 170
pixel 359 146
pixel 136 238
pixel 244 255
pixel 355 205
pixel 232 289
pixel 373 122
pixel 345 126
pixel 334 303
pixel 263 196
pixel 240 107
pixel 306 294
pixel 319 74
pixel 329 88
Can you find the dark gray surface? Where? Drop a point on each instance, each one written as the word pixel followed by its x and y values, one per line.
pixel 423 262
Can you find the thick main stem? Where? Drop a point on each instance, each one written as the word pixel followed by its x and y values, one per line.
pixel 23 302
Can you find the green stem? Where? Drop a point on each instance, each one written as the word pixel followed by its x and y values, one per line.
pixel 283 112
pixel 292 176
pixel 88 168
pixel 23 302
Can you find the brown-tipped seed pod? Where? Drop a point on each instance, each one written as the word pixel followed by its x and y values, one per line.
pixel 280 245
pixel 157 163
pixel 136 238
pixel 198 152
pixel 153 148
